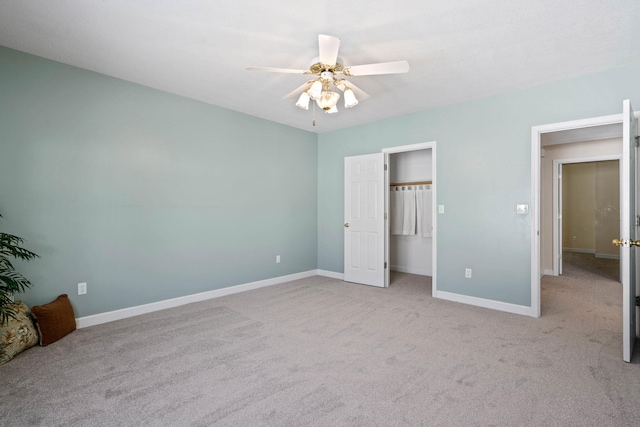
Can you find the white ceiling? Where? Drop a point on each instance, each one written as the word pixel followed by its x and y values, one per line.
pixel 457 50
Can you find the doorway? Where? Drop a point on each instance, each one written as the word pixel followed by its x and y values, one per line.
pixel 586 202
pixel 628 208
pixel 366 216
pixel 411 169
pixel 560 140
pixel 588 213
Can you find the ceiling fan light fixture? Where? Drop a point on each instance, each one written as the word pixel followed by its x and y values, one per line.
pixel 350 99
pixel 328 71
pixel 328 100
pixel 315 90
pixel 303 101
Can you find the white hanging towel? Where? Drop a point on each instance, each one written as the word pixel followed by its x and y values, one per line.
pixel 424 205
pixel 397 205
pixel 409 212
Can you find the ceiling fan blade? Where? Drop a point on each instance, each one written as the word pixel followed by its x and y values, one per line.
pixel 276 70
pixel 299 90
pixel 329 46
pixel 359 93
pixel 380 68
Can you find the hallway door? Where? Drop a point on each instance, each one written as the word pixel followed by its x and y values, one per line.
pixel 628 234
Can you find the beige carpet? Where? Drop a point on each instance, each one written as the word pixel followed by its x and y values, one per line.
pixel 323 352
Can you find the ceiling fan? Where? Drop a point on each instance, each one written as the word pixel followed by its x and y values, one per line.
pixel 329 70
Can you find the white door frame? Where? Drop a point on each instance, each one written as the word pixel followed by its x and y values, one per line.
pixel 536 136
pixel 387 232
pixel 557 205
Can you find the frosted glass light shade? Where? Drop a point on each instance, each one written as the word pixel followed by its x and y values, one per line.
pixel 328 100
pixel 315 90
pixel 332 110
pixel 349 99
pixel 303 101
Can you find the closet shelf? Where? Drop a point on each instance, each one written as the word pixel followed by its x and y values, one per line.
pixel 400 184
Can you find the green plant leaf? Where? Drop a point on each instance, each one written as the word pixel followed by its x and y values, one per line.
pixel 11 281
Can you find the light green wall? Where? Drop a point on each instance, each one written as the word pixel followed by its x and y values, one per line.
pixel 148 196
pixel 483 172
pixel 145 195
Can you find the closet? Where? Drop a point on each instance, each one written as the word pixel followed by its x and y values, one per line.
pixel 410 212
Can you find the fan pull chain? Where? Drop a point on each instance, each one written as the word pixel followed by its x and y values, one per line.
pixel 314 114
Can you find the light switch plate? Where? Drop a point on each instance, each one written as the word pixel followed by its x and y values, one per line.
pixel 522 209
pixel 441 209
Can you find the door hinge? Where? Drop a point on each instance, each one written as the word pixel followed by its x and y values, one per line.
pixel 637 220
pixel 385 265
pixel 385 215
pixel 638 301
pixel 385 166
pixel 637 142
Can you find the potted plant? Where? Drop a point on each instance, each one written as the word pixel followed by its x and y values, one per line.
pixel 11 281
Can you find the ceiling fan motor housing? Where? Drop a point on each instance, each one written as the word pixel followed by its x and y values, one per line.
pixel 326 75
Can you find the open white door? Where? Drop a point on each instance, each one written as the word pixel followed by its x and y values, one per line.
pixel 557 217
pixel 627 241
pixel 364 219
pixel 559 253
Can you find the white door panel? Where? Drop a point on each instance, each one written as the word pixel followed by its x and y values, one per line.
pixel 628 252
pixel 364 219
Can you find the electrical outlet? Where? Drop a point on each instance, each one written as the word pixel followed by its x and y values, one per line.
pixel 467 273
pixel 277 259
pixel 82 288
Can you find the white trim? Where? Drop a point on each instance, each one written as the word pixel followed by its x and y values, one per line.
pixel 592 252
pixel 579 124
pixel 387 222
pixel 607 256
pixel 331 274
pixel 557 230
pixel 547 272
pixel 410 147
pixel 579 250
pixel 487 303
pixel 536 133
pixel 110 316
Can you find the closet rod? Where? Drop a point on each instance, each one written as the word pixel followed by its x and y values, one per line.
pixel 400 184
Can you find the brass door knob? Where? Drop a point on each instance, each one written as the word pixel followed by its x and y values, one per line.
pixel 346 224
pixel 622 242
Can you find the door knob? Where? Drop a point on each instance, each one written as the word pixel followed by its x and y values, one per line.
pixel 346 224
pixel 625 243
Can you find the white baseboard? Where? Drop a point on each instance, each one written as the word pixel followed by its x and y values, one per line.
pixel 607 256
pixel 411 270
pixel 110 316
pixel 331 274
pixel 547 272
pixel 578 250
pixel 591 251
pixel 486 303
